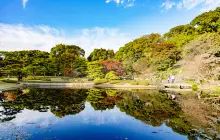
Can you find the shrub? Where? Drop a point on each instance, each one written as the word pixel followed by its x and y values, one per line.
pixel 98 81
pixel 195 87
pixel 111 76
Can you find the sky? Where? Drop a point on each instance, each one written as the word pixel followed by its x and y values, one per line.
pixel 110 24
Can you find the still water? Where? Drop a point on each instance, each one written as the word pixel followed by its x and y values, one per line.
pixel 101 114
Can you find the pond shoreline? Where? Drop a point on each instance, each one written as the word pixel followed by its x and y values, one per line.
pixel 168 87
pixel 90 85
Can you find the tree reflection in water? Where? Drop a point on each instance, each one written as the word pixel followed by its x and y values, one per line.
pixel 151 107
pixel 101 99
pixel 61 102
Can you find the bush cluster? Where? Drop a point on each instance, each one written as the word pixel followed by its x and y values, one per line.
pixel 99 81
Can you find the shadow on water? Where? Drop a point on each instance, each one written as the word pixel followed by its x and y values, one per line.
pixel 196 118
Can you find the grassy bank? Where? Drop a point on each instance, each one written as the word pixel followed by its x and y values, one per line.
pixel 4 85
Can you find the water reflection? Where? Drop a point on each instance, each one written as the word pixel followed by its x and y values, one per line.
pixel 184 114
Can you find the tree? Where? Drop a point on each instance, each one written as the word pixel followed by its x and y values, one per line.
pixel 181 29
pixel 113 65
pixel 207 22
pixel 164 55
pixel 35 62
pixel 95 70
pixel 64 56
pixel 80 67
pixel 138 48
pixel 128 64
pixel 101 54
pixel 141 65
pixel 16 62
pixel 99 100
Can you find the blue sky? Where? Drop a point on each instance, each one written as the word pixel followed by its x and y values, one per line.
pixel 40 24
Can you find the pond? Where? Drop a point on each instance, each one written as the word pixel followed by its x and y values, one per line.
pixel 104 114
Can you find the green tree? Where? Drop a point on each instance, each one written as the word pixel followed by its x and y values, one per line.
pixel 64 57
pixel 164 55
pixel 80 66
pixel 95 70
pixel 207 22
pixel 101 54
pixel 138 48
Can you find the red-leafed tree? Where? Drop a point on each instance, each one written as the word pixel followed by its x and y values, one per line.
pixel 113 65
pixel 164 55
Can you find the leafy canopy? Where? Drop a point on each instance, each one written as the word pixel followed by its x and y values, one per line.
pixel 101 54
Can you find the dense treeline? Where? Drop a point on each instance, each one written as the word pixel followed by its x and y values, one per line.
pixel 158 54
pixel 152 53
pixel 62 60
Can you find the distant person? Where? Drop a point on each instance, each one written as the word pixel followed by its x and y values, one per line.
pixel 173 79
pixel 1 100
pixel 168 79
pixel 8 77
pixel 173 96
pixel 132 76
pixel 19 77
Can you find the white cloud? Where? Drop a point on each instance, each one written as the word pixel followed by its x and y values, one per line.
pixel 179 5
pixel 20 37
pixel 211 5
pixel 205 5
pixel 42 118
pixel 189 4
pixel 24 3
pixel 125 3
pixel 168 5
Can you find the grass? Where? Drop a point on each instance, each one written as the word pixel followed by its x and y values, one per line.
pixel 114 81
pixel 41 78
pixel 53 79
pixel 12 80
pixel 140 82
pixel 144 82
pixel 7 85
pixel 39 81
pixel 190 81
pixel 134 83
pixel 9 81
